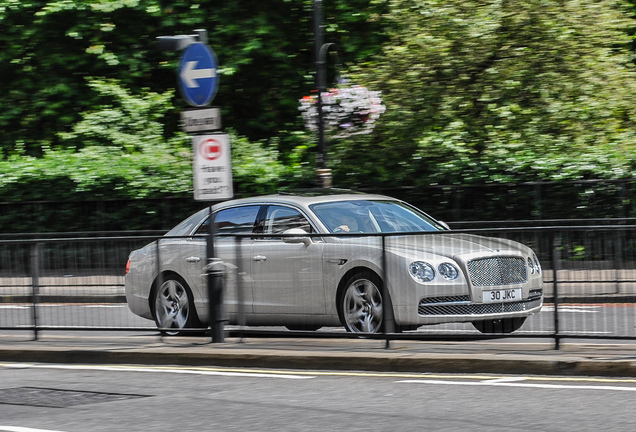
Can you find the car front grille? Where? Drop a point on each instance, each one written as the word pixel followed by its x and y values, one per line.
pixel 447 299
pixel 497 271
pixel 438 306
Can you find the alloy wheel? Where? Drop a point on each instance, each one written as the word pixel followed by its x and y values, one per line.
pixel 362 307
pixel 172 306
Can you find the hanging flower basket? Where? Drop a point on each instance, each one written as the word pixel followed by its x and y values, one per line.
pixel 347 111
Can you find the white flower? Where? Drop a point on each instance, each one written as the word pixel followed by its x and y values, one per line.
pixel 347 111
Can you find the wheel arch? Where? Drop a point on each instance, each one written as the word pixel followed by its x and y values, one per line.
pixel 346 276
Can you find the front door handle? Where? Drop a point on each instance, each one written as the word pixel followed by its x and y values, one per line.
pixel 259 258
pixel 193 259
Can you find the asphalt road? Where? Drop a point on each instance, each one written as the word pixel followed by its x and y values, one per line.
pixel 67 398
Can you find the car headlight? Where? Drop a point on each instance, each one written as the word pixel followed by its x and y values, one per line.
pixel 448 271
pixel 421 271
pixel 531 265
pixel 536 263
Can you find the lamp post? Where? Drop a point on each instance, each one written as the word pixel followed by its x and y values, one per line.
pixel 321 50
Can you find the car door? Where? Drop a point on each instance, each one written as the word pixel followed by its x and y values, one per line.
pixel 287 277
pixel 235 254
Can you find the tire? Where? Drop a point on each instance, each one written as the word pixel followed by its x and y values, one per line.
pixel 174 306
pixel 504 325
pixel 302 327
pixel 361 305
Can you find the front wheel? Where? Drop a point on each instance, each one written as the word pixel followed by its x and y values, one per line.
pixel 504 325
pixel 174 306
pixel 361 304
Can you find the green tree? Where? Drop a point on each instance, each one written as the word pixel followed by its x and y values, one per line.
pixel 498 91
pixel 264 49
pixel 124 154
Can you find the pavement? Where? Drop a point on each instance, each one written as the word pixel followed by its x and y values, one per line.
pixel 495 356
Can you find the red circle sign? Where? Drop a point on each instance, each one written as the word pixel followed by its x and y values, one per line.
pixel 210 149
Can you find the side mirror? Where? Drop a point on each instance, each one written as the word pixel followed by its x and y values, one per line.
pixel 444 224
pixel 300 236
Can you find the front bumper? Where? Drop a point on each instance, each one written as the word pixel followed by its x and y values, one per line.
pixel 460 308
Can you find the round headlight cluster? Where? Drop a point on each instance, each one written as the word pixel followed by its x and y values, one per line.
pixel 421 271
pixel 448 271
pixel 536 264
pixel 533 265
pixel 424 272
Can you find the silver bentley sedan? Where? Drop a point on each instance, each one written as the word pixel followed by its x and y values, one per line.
pixel 370 263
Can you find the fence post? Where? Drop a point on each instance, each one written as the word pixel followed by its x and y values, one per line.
pixel 159 277
pixel 35 285
pixel 240 295
pixel 387 313
pixel 618 259
pixel 555 288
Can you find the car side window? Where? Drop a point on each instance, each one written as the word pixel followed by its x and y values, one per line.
pixel 235 220
pixel 279 219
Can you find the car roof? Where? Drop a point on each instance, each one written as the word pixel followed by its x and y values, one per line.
pixel 303 199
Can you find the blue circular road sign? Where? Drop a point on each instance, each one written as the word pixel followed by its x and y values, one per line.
pixel 198 79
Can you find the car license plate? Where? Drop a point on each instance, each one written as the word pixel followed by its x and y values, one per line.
pixel 502 296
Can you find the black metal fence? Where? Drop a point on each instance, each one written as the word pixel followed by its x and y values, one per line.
pixel 610 199
pixel 77 284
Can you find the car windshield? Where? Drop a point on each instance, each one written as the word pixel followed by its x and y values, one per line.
pixel 366 216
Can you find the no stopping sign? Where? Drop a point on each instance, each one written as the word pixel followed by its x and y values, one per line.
pixel 210 149
pixel 212 167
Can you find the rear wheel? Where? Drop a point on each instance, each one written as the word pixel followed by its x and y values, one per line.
pixel 504 325
pixel 361 305
pixel 174 306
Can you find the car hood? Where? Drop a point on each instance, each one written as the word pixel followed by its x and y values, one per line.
pixel 452 245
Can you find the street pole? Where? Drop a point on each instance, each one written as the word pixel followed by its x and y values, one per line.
pixel 320 54
pixel 215 289
pixel 198 81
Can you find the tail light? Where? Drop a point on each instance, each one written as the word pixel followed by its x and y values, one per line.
pixel 128 267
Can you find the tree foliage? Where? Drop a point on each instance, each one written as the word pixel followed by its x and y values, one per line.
pixel 499 91
pixel 264 49
pixel 124 154
pixel 475 91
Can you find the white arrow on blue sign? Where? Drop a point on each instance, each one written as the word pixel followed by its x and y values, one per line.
pixel 198 79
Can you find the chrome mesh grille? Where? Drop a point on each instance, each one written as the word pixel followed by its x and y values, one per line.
pixel 497 271
pixel 426 308
pixel 447 299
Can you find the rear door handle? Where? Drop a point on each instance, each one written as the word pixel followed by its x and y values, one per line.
pixel 193 259
pixel 259 258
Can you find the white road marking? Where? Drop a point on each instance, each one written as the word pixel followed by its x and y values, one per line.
pixel 159 369
pixel 23 429
pixel 423 378
pixel 106 306
pixel 572 309
pixel 505 379
pixel 504 383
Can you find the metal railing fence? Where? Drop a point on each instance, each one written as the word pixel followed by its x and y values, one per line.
pixel 542 200
pixel 77 284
